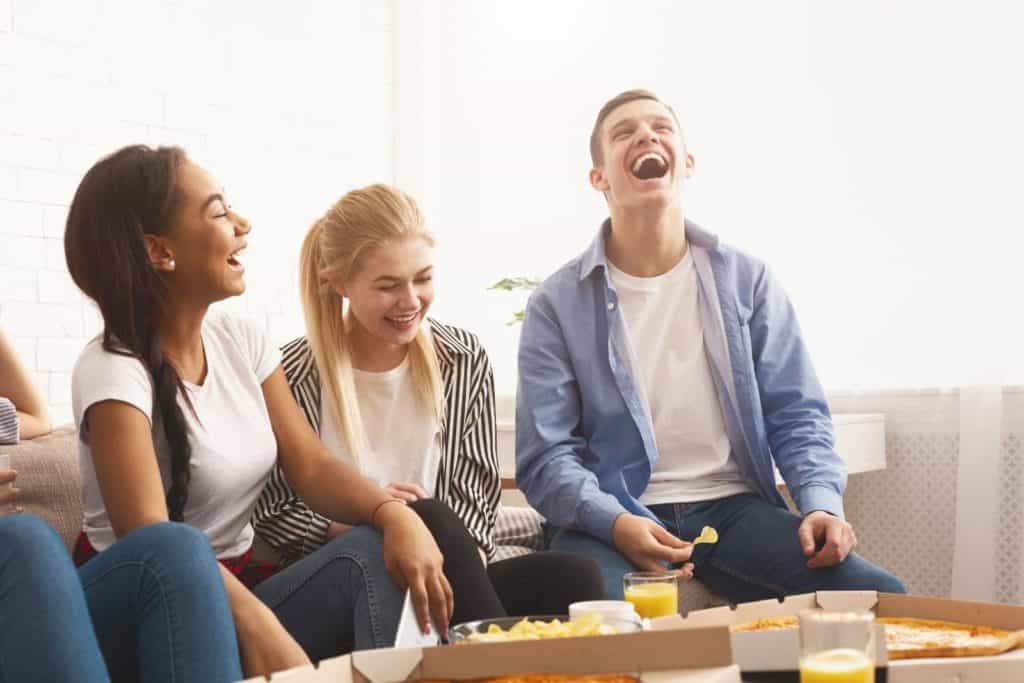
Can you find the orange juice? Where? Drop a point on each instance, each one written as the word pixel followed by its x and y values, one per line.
pixel 654 599
pixel 842 665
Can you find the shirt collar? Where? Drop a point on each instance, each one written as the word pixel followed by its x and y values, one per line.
pixel 448 346
pixel 595 255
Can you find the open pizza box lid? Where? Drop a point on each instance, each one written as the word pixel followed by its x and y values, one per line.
pixel 703 656
pixel 779 650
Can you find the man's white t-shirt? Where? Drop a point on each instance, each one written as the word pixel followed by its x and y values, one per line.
pixel 404 439
pixel 671 369
pixel 233 445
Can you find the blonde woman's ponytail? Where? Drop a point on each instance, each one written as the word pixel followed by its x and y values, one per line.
pixel 328 340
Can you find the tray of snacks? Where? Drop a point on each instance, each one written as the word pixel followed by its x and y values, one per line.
pixel 541 627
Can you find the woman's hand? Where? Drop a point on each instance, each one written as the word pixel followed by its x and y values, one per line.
pixel 8 494
pixel 410 493
pixel 415 562
pixel 264 644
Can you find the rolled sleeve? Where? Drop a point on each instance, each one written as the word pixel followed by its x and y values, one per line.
pixel 597 516
pixel 819 497
pixel 9 426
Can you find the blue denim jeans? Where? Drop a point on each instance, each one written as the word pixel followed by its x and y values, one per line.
pixel 151 607
pixel 757 557
pixel 338 598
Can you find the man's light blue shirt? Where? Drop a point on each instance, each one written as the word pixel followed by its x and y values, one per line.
pixel 585 445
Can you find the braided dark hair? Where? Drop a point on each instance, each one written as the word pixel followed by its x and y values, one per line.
pixel 129 194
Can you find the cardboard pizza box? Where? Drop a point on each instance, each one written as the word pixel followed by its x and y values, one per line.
pixel 704 656
pixel 779 650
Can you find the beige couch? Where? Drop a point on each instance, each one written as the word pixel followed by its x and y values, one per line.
pixel 49 480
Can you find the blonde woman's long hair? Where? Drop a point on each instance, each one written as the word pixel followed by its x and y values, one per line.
pixel 359 222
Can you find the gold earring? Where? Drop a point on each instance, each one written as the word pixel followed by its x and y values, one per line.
pixel 170 263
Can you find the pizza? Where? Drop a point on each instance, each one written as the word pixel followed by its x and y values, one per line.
pixel 767 624
pixel 908 638
pixel 915 638
pixel 552 678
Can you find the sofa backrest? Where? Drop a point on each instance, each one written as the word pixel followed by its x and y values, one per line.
pixel 49 480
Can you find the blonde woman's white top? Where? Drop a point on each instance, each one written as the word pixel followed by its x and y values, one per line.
pixel 233 445
pixel 404 439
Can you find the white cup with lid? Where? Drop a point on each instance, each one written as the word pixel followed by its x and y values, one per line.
pixel 611 610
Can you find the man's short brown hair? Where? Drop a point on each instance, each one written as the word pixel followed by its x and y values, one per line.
pixel 610 106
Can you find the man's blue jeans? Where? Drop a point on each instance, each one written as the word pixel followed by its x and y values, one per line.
pixel 152 607
pixel 758 555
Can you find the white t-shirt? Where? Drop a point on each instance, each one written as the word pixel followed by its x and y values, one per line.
pixel 667 341
pixel 233 445
pixel 404 439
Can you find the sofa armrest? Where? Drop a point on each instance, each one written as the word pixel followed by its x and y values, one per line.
pixel 49 480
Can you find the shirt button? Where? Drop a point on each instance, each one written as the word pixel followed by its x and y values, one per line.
pixel 611 305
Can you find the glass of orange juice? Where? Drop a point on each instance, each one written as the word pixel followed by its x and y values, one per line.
pixel 653 594
pixel 837 647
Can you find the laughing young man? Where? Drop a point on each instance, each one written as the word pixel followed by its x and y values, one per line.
pixel 661 375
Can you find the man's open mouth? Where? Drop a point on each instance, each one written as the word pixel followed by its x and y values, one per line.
pixel 650 165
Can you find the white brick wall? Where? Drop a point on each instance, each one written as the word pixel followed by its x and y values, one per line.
pixel 288 108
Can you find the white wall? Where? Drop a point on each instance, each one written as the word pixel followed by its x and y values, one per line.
pixel 869 152
pixel 288 104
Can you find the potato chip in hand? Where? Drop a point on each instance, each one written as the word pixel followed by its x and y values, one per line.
pixel 707 535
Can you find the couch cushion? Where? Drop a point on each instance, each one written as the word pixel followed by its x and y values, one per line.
pixel 518 526
pixel 49 480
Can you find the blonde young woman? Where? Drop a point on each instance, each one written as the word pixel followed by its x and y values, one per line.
pixel 407 400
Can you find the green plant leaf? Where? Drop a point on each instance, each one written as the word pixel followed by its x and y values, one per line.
pixel 510 284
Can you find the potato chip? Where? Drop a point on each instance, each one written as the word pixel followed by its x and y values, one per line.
pixel 707 535
pixel 588 625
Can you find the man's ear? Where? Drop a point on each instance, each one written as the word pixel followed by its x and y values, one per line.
pixel 597 180
pixel 691 165
pixel 161 257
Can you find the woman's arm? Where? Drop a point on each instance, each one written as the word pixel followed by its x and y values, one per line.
pixel 340 492
pixel 16 384
pixel 286 523
pixel 133 495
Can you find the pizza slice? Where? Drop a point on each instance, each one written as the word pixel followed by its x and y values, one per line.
pixel 767 624
pixel 551 678
pixel 907 638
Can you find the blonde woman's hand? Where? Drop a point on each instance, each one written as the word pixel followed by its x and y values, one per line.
pixel 410 493
pixel 415 562
pixel 8 493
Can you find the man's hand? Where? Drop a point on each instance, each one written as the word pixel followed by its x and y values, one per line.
pixel 834 535
pixel 8 494
pixel 648 546
pixel 410 493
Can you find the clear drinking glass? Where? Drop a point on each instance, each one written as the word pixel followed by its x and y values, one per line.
pixel 837 647
pixel 653 594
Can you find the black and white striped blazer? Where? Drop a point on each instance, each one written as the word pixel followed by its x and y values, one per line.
pixel 468 479
pixel 8 422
